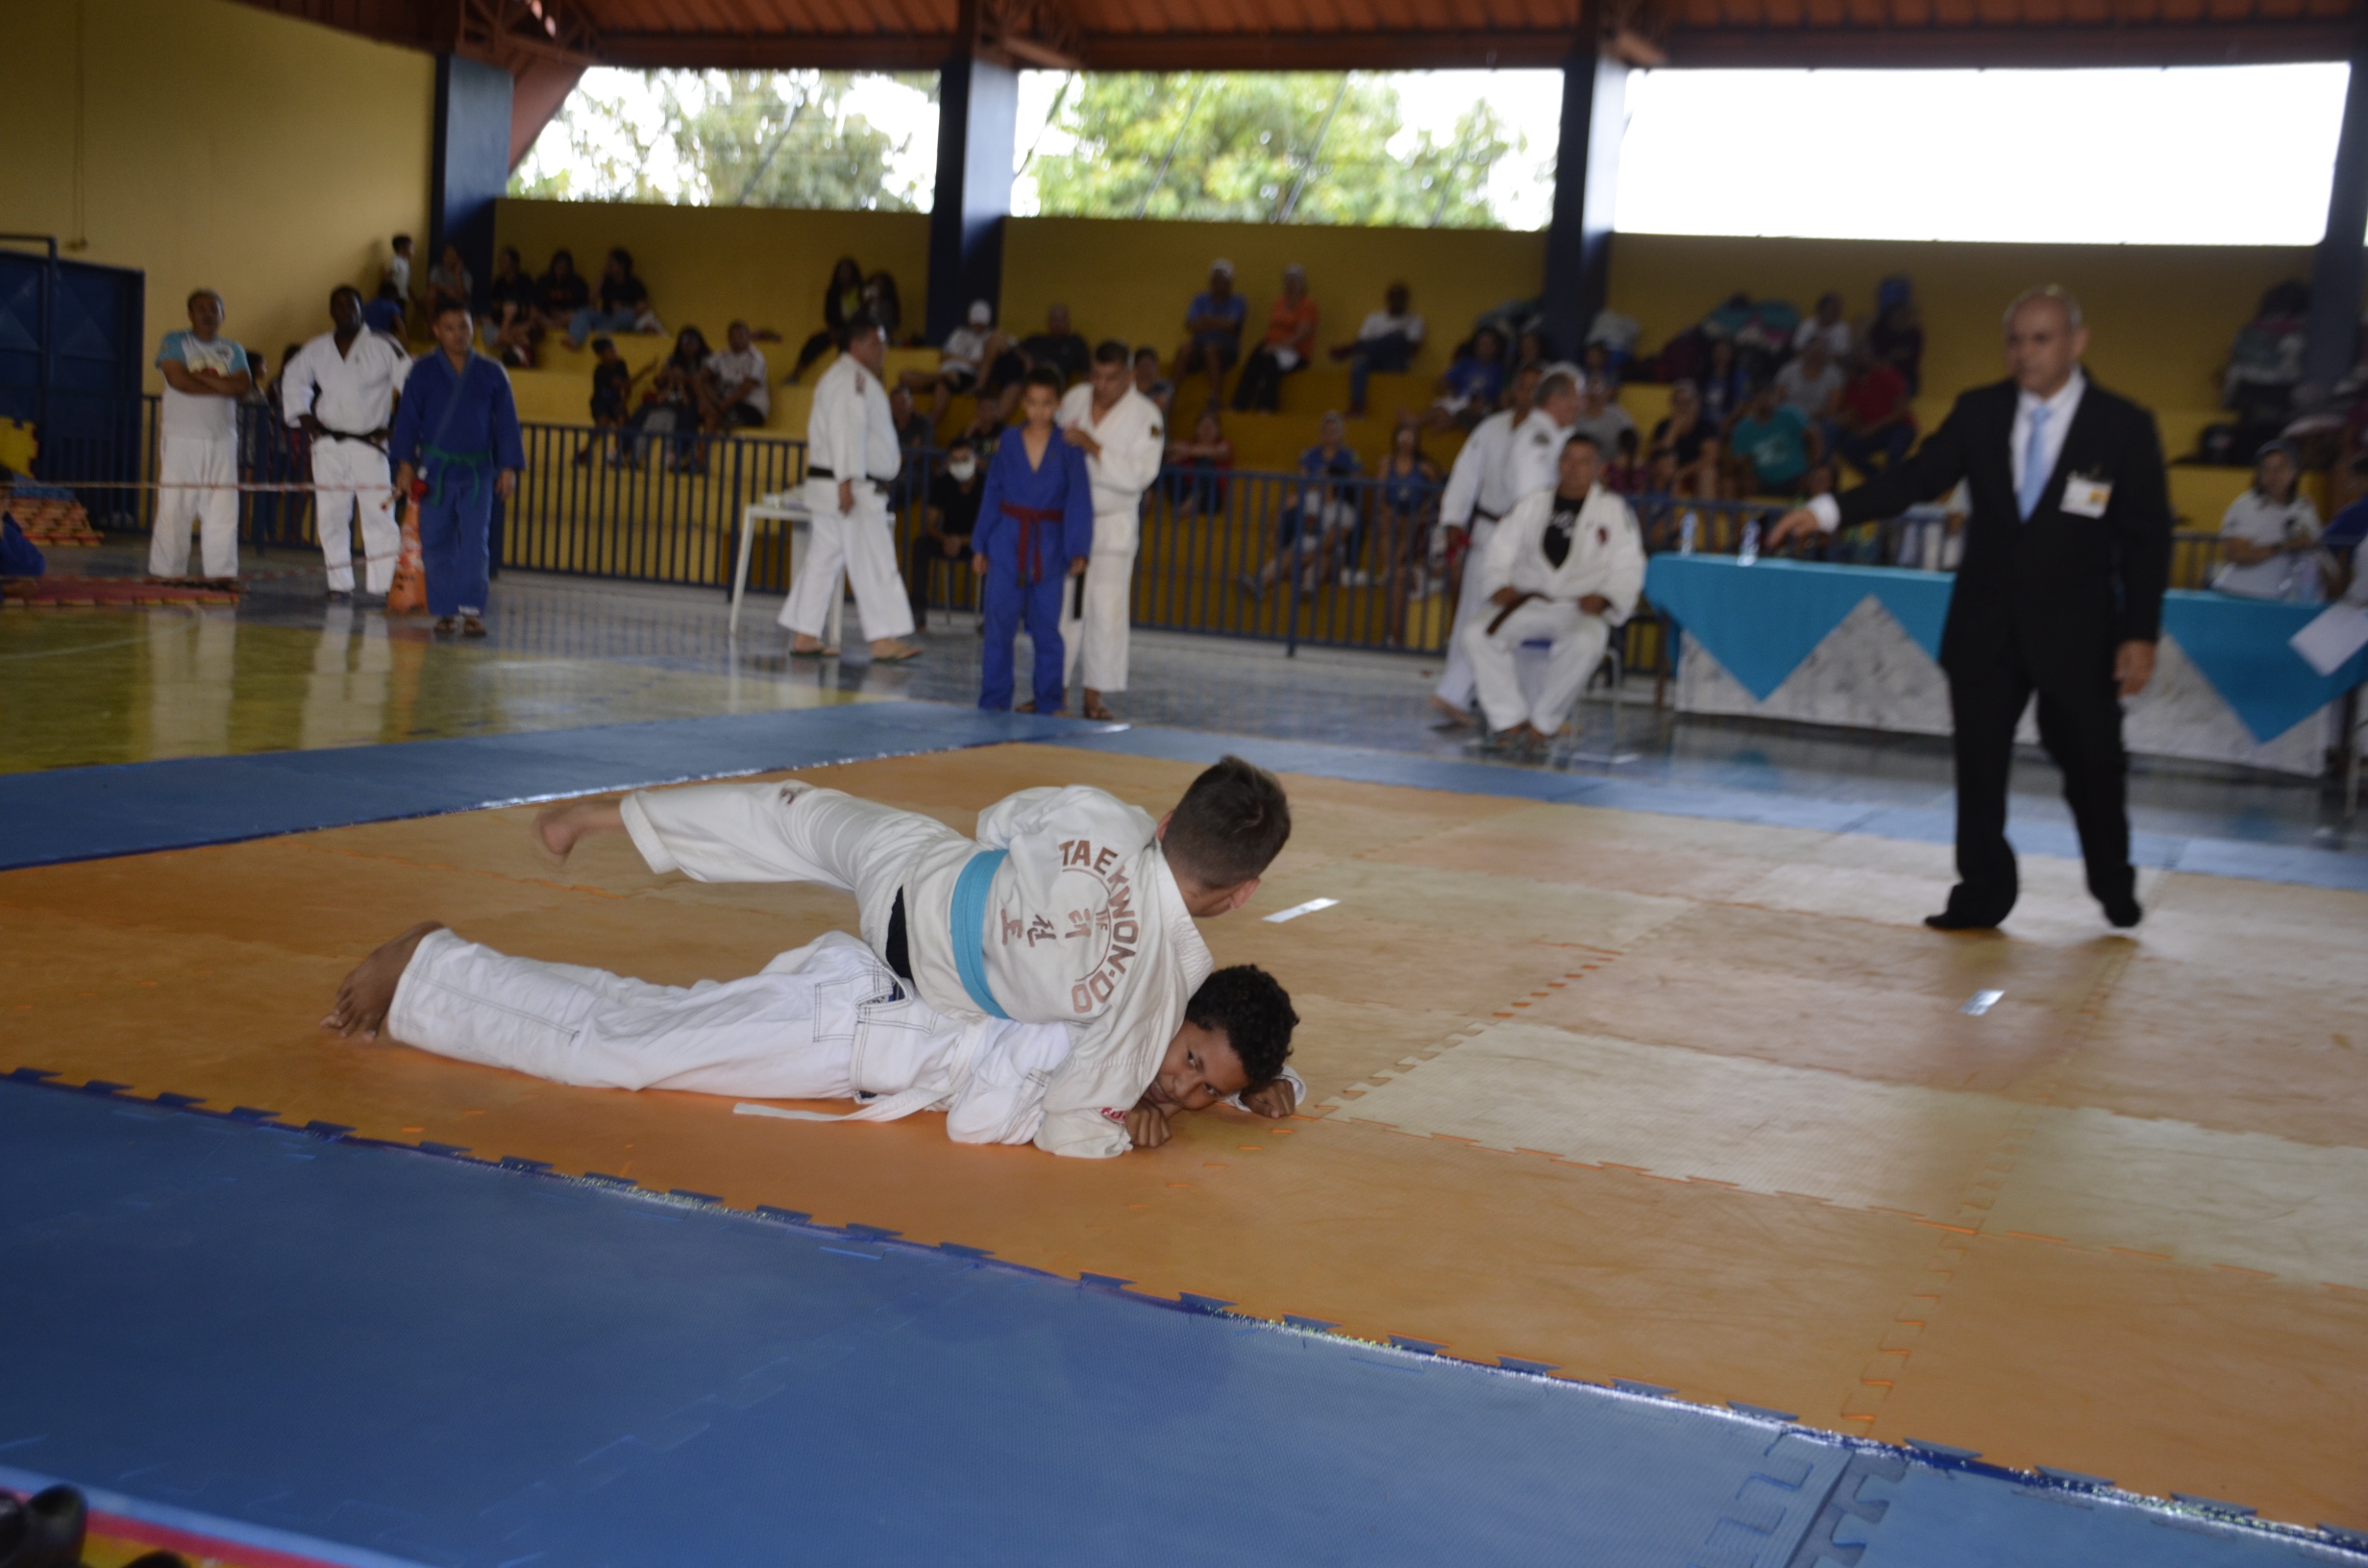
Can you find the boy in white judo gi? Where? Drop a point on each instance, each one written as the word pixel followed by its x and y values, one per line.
pixel 826 1022
pixel 1068 907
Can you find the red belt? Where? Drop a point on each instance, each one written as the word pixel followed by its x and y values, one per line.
pixel 1027 517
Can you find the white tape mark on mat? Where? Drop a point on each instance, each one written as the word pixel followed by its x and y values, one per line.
pixel 1981 1002
pixel 1297 910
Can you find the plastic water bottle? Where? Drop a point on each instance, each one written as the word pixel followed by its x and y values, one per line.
pixel 1748 551
pixel 1685 534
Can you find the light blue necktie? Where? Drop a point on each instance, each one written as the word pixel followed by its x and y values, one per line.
pixel 2035 463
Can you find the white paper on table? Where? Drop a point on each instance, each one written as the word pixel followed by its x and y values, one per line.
pixel 2334 636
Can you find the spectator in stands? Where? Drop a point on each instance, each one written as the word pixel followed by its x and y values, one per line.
pixel 624 304
pixel 510 284
pixel 398 269
pixel 1826 327
pixel 948 517
pixel 1722 387
pixel 559 293
pixel 206 378
pixel 1595 359
pixel 1875 420
pixel 508 332
pixel 1290 344
pixel 613 392
pixel 1473 386
pixel 1407 509
pixel 985 432
pixel 914 431
pixel 1060 347
pixel 1626 471
pixel 1686 427
pixel 675 401
pixel 384 313
pixel 1318 518
pixel 1151 383
pixel 1212 331
pixel 1600 418
pixel 733 394
pixel 976 359
pixel 449 280
pixel 842 298
pixel 882 304
pixel 1385 341
pixel 1532 349
pixel 1199 469
pixel 1776 440
pixel 1897 338
pixel 2270 534
pixel 1813 384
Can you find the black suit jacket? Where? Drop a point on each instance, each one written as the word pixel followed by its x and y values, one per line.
pixel 2062 589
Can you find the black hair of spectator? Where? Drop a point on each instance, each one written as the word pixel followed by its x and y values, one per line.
pixel 1047 376
pixel 844 270
pixel 403 239
pixel 619 253
pixel 863 322
pixel 386 290
pixel 1253 1012
pixel 447 306
pixel 2360 465
pixel 1146 351
pixel 511 251
pixel 1111 352
pixel 1627 442
pixel 602 345
pixel 563 254
pixel 1230 824
pixel 960 443
pixel 1590 437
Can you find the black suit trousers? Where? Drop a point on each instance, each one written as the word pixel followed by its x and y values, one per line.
pixel 2080 725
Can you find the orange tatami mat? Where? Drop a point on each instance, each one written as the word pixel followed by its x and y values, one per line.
pixel 1688 1102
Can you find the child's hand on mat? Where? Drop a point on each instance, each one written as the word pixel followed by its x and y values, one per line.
pixel 1277 1100
pixel 1148 1125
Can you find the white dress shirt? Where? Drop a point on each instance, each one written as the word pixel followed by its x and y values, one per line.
pixel 353 392
pixel 2061 408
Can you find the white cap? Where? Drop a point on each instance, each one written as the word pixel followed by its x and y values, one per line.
pixel 982 314
pixel 1222 265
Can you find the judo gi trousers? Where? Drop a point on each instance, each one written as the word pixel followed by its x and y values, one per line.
pixel 1096 642
pixel 1007 602
pixel 454 529
pixel 354 482
pixel 1578 640
pixel 863 542
pixel 183 465
pixel 1455 684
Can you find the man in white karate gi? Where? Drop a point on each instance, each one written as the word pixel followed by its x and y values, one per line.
pixel 340 389
pixel 1566 565
pixel 853 458
pixel 1125 438
pixel 206 378
pixel 826 1022
pixel 1479 491
pixel 1070 906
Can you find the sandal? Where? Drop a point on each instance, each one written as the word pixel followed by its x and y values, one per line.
pixel 907 656
pixel 472 627
pixel 445 625
pixel 1098 711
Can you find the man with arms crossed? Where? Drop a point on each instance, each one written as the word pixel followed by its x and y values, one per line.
pixel 2068 554
pixel 206 378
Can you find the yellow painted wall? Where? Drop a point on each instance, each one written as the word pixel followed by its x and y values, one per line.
pixel 222 147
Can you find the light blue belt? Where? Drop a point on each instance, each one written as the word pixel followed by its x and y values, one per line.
pixel 967 926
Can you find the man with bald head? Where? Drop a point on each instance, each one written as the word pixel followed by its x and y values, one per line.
pixel 2068 554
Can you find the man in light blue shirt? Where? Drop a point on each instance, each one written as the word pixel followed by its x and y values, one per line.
pixel 206 378
pixel 1213 327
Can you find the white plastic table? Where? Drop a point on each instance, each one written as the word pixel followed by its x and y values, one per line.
pixel 785 508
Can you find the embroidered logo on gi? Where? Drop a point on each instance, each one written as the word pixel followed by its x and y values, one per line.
pixel 1118 1117
pixel 1101 911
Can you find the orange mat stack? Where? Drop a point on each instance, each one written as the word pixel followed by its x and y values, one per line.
pixel 51 520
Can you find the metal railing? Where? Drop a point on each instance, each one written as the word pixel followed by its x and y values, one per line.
pixel 1353 563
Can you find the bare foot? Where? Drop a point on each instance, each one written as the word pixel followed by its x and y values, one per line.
pixel 369 990
pixel 559 828
pixel 889 650
pixel 1450 713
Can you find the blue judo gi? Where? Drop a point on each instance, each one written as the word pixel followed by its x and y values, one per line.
pixel 458 429
pixel 1032 523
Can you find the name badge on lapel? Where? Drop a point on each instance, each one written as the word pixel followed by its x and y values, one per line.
pixel 2086 497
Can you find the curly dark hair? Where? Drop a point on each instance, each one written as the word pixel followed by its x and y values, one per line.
pixel 1253 1012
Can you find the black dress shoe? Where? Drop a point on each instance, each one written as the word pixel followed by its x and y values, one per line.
pixel 2123 912
pixel 1949 920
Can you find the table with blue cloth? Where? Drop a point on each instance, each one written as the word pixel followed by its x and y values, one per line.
pixel 1859 645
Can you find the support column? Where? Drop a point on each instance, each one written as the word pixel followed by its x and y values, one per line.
pixel 978 128
pixel 471 166
pixel 2336 273
pixel 1578 246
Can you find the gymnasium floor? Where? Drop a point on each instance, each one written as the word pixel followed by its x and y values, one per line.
pixel 1642 1082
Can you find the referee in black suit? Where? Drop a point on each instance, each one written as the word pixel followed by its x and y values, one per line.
pixel 2067 554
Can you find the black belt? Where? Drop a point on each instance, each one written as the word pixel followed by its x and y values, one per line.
pixel 1484 515
pixel 899 955
pixel 826 473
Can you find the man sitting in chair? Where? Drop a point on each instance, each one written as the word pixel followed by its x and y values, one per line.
pixel 1564 567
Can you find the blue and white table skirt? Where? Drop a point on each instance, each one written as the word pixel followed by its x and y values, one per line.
pixel 1858 645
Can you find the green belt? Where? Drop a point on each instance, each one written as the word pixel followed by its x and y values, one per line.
pixel 477 465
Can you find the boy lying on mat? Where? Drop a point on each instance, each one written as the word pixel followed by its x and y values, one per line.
pixel 1070 906
pixel 826 1022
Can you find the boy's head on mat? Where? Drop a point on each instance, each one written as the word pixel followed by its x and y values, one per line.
pixel 1223 834
pixel 1236 1035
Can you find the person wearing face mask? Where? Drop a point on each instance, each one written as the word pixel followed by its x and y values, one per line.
pixel 947 524
pixel 1125 438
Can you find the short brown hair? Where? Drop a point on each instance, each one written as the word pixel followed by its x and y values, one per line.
pixel 1230 824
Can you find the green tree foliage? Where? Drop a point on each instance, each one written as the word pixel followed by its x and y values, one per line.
pixel 1298 147
pixel 724 138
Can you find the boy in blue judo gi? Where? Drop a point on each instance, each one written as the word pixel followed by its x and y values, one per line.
pixel 1035 530
pixel 456 446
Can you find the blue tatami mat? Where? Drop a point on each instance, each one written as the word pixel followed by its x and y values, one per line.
pixel 2213 857
pixel 131 808
pixel 385 1355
